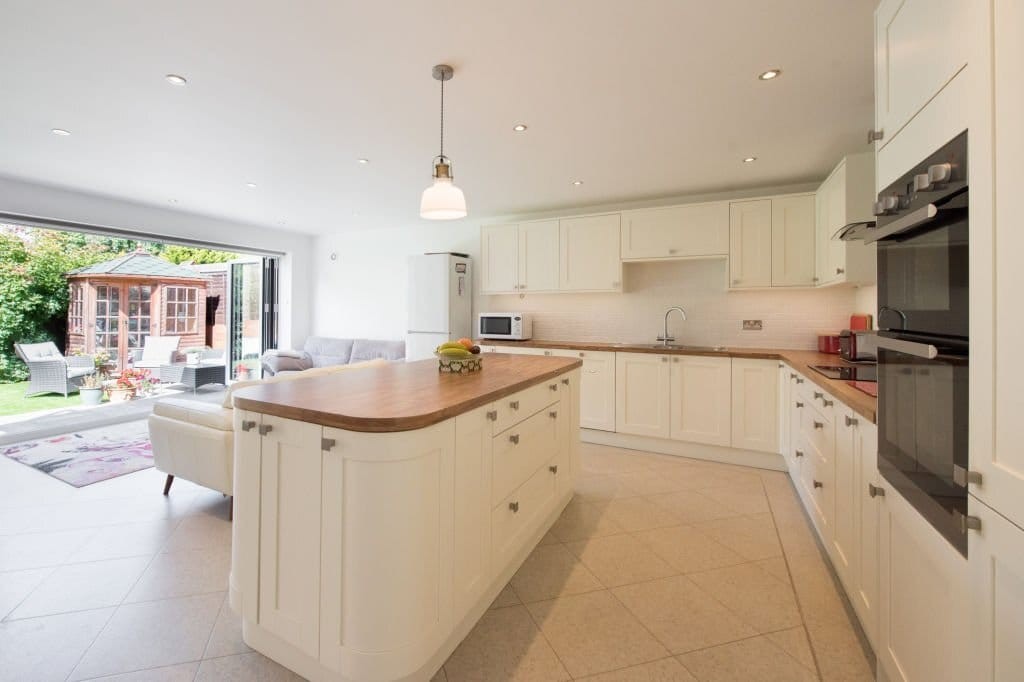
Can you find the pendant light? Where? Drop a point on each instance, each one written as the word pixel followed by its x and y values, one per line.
pixel 442 200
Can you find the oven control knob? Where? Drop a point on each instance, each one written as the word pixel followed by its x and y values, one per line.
pixel 889 204
pixel 940 173
pixel 922 183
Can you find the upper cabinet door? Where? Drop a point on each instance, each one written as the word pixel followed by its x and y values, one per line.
pixel 538 256
pixel 589 250
pixel 919 48
pixel 499 253
pixel 750 244
pixel 793 241
pixel 689 231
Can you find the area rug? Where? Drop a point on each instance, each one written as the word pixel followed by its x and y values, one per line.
pixel 90 456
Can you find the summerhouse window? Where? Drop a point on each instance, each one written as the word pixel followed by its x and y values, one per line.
pixel 181 305
pixel 76 307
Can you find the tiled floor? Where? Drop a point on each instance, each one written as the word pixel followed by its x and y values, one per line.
pixel 661 569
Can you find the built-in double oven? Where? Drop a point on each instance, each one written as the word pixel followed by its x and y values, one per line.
pixel 923 340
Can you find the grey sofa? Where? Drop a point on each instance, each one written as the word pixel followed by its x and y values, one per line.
pixel 51 372
pixel 324 351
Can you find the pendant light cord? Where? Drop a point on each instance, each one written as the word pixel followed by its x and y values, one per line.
pixel 442 119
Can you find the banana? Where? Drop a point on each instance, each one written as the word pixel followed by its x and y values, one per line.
pixel 459 352
pixel 452 345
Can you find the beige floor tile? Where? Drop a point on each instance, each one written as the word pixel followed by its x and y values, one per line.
pixel 761 600
pixel 718 476
pixel 552 571
pixel 127 540
pixel 797 537
pixel 226 638
pixel 47 648
pixel 16 585
pixel 602 487
pixel 794 642
pixel 184 573
pixel 752 537
pixel 593 633
pixel 682 615
pixel 201 531
pixel 638 513
pixel 507 597
pixel 80 587
pixel 245 668
pixel 839 652
pixel 150 635
pixel 620 560
pixel 665 670
pixel 548 539
pixel 750 659
pixel 776 566
pixel 599 459
pixel 744 499
pixel 38 550
pixel 504 645
pixel 656 482
pixel 817 591
pixel 692 506
pixel 184 672
pixel 582 520
pixel 688 550
pixel 439 676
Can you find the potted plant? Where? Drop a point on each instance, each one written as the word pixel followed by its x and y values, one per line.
pixel 91 389
pixel 128 384
pixel 194 355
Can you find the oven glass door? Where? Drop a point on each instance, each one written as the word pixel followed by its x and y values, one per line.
pixel 922 425
pixel 497 325
pixel 923 275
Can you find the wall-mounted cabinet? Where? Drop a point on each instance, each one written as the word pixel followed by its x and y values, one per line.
pixel 689 231
pixel 771 242
pixel 793 241
pixel 589 253
pixel 750 244
pixel 847 196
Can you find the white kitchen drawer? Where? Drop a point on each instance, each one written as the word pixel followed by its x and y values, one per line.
pixel 818 430
pixel 515 408
pixel 517 515
pixel 520 450
pixel 822 400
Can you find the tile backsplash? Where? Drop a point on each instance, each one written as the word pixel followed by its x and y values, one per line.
pixel 791 319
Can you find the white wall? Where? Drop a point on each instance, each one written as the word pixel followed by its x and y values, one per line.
pixel 867 302
pixel 296 293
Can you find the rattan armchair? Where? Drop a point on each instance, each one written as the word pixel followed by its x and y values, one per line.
pixel 51 372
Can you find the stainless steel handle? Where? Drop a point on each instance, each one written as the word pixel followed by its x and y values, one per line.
pixel 918 350
pixel 248 425
pixel 819 394
pixel 792 375
pixel 799 404
pixel 850 421
pixel 675 359
pixel 583 355
pixel 819 484
pixel 799 380
pixel 493 415
pixel 514 506
pixel 664 359
pixel 798 453
pixel 553 468
pixel 827 403
pixel 565 381
pixel 553 414
pixel 966 522
pixel 265 429
pixel 514 439
pixel 514 404
pixel 672 251
pixel 875 491
pixel 962 476
pixel 819 425
pixel 552 387
pixel 547 352
pixel 840 271
pixel 327 444
pixel 907 222
pixel 874 135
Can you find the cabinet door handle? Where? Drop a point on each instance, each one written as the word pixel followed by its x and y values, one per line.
pixel 798 453
pixel 827 403
pixel 565 381
pixel 840 271
pixel 819 395
pixel 799 404
pixel 547 352
pixel 514 506
pixel 819 484
pixel 874 135
pixel 664 359
pixel 553 387
pixel 514 439
pixel 583 355
pixel 673 252
pixel 265 429
pixel 819 425
pixel 514 404
pixel 553 468
pixel 792 375
pixel 553 414
pixel 675 359
pixel 248 425
pixel 850 421
pixel 327 444
pixel 492 415
pixel 875 491
pixel 799 380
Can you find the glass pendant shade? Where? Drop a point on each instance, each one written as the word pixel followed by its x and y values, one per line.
pixel 442 200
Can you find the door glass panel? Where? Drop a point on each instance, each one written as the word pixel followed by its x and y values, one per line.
pixel 105 335
pixel 245 333
pixel 138 314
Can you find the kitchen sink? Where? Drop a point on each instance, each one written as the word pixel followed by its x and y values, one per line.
pixel 680 346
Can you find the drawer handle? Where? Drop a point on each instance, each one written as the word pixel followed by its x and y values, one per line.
pixel 799 404
pixel 664 358
pixel 819 425
pixel 827 403
pixel 565 381
pixel 799 380
pixel 248 425
pixel 875 491
pixel 553 387
pixel 819 484
pixel 265 429
pixel 583 355
pixel 514 439
pixel 818 394
pixel 675 359
pixel 792 375
pixel 553 468
pixel 514 404
pixel 553 414
pixel 327 444
pixel 547 352
pixel 672 252
pixel 799 453
pixel 514 506
pixel 850 421
pixel 492 415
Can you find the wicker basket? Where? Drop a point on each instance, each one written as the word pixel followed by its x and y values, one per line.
pixel 449 365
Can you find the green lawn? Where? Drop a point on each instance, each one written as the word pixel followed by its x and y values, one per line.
pixel 13 400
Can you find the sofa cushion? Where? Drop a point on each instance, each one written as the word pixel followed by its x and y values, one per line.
pixel 327 351
pixel 195 412
pixel 371 349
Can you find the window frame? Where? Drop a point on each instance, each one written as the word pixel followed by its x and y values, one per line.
pixel 172 322
pixel 76 309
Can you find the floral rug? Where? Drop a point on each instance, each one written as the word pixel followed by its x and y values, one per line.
pixel 88 457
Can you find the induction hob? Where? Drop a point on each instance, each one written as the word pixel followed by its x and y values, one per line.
pixel 848 372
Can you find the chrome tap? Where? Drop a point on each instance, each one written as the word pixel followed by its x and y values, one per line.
pixel 665 338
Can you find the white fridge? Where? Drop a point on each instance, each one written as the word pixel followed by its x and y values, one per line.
pixel 440 302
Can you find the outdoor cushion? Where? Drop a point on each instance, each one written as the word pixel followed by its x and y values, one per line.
pixel 327 351
pixel 371 349
pixel 194 412
pixel 75 372
pixel 157 350
pixel 40 351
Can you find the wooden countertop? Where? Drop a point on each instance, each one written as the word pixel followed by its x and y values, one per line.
pixel 399 396
pixel 800 360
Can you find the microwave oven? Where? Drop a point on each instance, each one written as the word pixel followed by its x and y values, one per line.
pixel 513 326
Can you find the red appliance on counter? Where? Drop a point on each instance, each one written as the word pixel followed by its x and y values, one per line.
pixel 828 343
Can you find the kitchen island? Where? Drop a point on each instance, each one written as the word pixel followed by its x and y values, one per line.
pixel 379 512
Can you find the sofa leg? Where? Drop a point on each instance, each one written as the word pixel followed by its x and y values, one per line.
pixel 167 485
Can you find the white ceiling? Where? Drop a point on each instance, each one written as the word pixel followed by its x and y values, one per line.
pixel 638 98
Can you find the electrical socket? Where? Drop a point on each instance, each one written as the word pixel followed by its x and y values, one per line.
pixel 752 325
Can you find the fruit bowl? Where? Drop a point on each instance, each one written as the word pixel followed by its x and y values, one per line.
pixel 453 365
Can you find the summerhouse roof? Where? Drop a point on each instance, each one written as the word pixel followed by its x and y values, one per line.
pixel 138 264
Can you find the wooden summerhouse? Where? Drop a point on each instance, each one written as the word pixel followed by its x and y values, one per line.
pixel 116 304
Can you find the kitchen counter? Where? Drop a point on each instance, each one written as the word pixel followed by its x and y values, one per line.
pixel 400 396
pixel 800 360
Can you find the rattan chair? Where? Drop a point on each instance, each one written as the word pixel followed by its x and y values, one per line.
pixel 51 372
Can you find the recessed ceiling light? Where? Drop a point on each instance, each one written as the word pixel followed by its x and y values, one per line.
pixel 60 131
pixel 750 159
pixel 363 161
pixel 172 201
pixel 175 79
pixel 251 185
pixel 519 127
pixel 577 182
pixel 770 74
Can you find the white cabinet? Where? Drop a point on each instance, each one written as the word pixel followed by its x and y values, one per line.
pixel 785 412
pixel 589 252
pixel 750 244
pixel 700 393
pixel 597 388
pixel 538 256
pixel 642 394
pixel 793 228
pixel 755 416
pixel 690 231
pixel 919 47
pixel 472 530
pixel 996 577
pixel 499 258
pixel 845 197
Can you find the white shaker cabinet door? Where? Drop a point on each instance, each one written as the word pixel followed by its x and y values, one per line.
pixel 538 256
pixel 642 394
pixel 750 244
pixel 793 228
pixel 589 251
pixel 701 390
pixel 690 231
pixel 597 388
pixel 499 256
pixel 755 421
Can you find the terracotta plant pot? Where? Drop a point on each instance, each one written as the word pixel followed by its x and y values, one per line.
pixel 121 395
